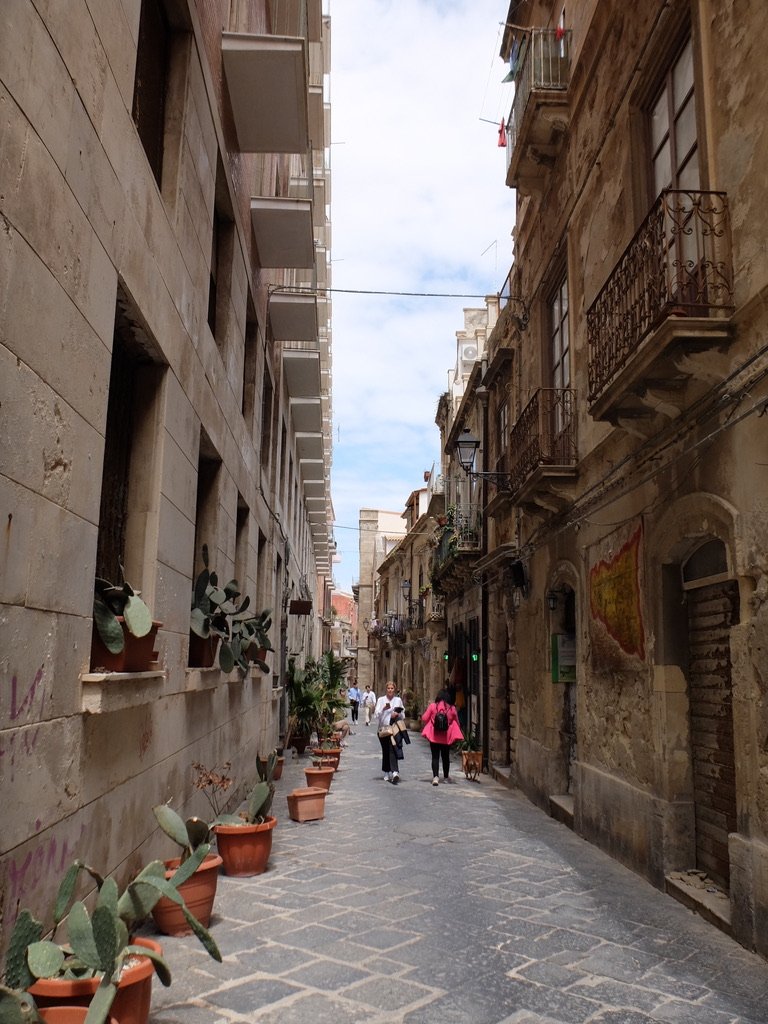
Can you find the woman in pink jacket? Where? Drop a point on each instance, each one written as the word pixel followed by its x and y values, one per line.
pixel 441 713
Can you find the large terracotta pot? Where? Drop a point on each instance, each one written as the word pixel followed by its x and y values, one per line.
pixel 136 656
pixel 202 651
pixel 198 892
pixel 307 804
pixel 66 1015
pixel 320 777
pixel 245 849
pixel 300 743
pixel 278 772
pixel 134 992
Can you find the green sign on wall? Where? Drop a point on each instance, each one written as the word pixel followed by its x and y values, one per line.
pixel 563 658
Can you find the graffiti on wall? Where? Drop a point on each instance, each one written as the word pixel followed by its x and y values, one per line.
pixel 617 626
pixel 26 706
pixel 26 873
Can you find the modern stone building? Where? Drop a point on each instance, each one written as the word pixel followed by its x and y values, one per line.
pixel 617 594
pixel 164 385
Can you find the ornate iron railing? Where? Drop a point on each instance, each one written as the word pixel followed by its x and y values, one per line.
pixel 462 534
pixel 544 435
pixel 678 261
pixel 545 65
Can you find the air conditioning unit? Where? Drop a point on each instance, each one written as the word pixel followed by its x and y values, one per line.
pixel 467 357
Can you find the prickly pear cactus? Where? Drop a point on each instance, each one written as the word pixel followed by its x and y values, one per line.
pixel 26 931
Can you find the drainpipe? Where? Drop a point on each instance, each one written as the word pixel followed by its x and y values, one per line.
pixel 482 394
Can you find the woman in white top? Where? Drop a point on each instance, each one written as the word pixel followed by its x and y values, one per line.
pixel 369 703
pixel 388 710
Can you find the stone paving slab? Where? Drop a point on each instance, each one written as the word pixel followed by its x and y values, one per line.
pixel 455 904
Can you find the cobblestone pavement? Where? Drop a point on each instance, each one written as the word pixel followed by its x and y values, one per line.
pixel 457 904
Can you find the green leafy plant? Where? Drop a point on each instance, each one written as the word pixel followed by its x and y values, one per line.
pixel 111 601
pixel 216 612
pixel 314 698
pixel 470 743
pixel 99 942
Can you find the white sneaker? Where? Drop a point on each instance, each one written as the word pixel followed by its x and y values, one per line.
pixel 395 778
pixel 435 781
pixel 387 777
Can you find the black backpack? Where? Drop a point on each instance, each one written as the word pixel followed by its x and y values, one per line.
pixel 441 721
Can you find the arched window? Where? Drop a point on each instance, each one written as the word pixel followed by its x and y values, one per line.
pixel 707 564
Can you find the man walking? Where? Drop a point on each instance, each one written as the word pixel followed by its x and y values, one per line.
pixel 353 695
pixel 369 703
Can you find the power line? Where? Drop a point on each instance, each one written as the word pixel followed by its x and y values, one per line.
pixel 370 291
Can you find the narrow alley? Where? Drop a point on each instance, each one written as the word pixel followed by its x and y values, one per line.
pixel 460 904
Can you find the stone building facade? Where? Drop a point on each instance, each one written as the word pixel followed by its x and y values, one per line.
pixel 380 531
pixel 164 385
pixel 619 419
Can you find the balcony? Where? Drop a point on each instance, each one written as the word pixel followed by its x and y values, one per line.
pixel 293 317
pixel 659 327
pixel 539 117
pixel 543 452
pixel 301 368
pixel 283 231
pixel 267 84
pixel 458 548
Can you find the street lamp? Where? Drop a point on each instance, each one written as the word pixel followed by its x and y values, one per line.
pixel 466 448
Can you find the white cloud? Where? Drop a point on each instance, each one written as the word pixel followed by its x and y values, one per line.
pixel 419 204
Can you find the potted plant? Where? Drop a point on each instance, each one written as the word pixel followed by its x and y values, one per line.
pixel 217 619
pixel 471 754
pixel 124 633
pixel 244 841
pixel 314 699
pixel 412 717
pixel 199 890
pixel 102 966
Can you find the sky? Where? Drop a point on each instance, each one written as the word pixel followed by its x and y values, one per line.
pixel 418 204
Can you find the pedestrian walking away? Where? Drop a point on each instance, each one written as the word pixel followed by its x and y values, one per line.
pixel 388 711
pixel 441 728
pixel 353 695
pixel 369 703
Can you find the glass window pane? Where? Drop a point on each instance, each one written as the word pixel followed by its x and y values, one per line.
pixel 682 76
pixel 688 177
pixel 662 170
pixel 659 121
pixel 685 131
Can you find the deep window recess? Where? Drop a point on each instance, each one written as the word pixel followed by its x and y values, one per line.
pixel 159 87
pixel 266 419
pixel 222 250
pixel 241 543
pixel 207 504
pixel 128 486
pixel 672 128
pixel 559 352
pixel 250 367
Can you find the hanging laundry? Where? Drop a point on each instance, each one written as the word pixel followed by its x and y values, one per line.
pixel 502 135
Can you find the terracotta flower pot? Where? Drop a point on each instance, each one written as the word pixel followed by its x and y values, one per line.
pixel 202 651
pixel 136 656
pixel 278 772
pixel 198 892
pixel 300 743
pixel 67 1015
pixel 245 849
pixel 307 804
pixel 134 991
pixel 320 777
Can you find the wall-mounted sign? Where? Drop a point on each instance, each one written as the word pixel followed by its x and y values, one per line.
pixel 563 658
pixel 616 616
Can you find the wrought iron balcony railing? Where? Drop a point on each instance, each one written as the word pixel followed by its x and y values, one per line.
pixel 544 436
pixel 679 262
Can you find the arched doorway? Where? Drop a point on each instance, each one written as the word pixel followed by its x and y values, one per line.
pixel 712 600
